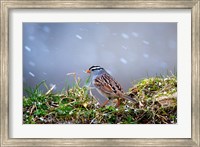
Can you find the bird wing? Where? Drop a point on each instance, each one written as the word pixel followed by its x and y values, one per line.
pixel 106 84
pixel 102 86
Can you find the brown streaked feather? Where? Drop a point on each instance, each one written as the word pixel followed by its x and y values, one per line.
pixel 107 85
pixel 97 82
pixel 106 89
pixel 114 82
pixel 102 85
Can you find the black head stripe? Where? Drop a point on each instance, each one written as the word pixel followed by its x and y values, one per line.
pixel 95 68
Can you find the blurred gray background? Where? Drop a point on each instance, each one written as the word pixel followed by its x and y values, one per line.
pixel 128 51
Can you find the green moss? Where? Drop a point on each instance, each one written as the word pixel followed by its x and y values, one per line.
pixel 156 97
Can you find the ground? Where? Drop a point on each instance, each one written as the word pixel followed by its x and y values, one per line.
pixel 156 96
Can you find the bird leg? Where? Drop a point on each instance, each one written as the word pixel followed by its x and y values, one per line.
pixel 118 102
pixel 106 102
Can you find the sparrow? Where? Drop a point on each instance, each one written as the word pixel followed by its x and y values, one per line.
pixel 106 85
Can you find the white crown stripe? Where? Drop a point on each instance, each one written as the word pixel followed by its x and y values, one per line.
pixel 96 69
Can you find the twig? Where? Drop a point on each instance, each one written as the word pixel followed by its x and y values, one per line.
pixel 32 109
pixel 74 75
pixel 50 90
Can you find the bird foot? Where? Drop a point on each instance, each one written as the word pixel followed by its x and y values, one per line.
pixel 118 103
pixel 106 102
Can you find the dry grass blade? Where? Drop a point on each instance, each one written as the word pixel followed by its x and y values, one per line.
pixel 50 90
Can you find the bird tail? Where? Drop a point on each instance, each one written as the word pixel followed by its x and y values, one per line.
pixel 129 98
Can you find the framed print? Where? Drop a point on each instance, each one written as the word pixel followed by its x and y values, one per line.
pixel 98 73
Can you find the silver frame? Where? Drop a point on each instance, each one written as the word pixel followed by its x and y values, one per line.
pixel 7 5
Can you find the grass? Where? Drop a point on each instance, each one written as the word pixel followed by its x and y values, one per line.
pixel 157 104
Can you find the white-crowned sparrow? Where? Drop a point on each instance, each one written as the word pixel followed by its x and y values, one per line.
pixel 106 85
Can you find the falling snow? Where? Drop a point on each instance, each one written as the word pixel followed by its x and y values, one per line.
pixel 78 36
pixel 124 47
pixel 31 63
pixel 31 38
pixel 46 50
pixel 120 45
pixel 46 29
pixel 145 42
pixel 125 36
pixel 145 55
pixel 135 34
pixel 27 48
pixel 30 73
pixel 123 60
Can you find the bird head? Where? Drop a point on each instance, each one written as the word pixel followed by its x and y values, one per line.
pixel 95 70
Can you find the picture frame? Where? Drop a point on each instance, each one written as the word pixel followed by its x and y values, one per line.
pixel 6 6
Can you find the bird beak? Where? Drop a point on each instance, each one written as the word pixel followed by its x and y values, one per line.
pixel 88 71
